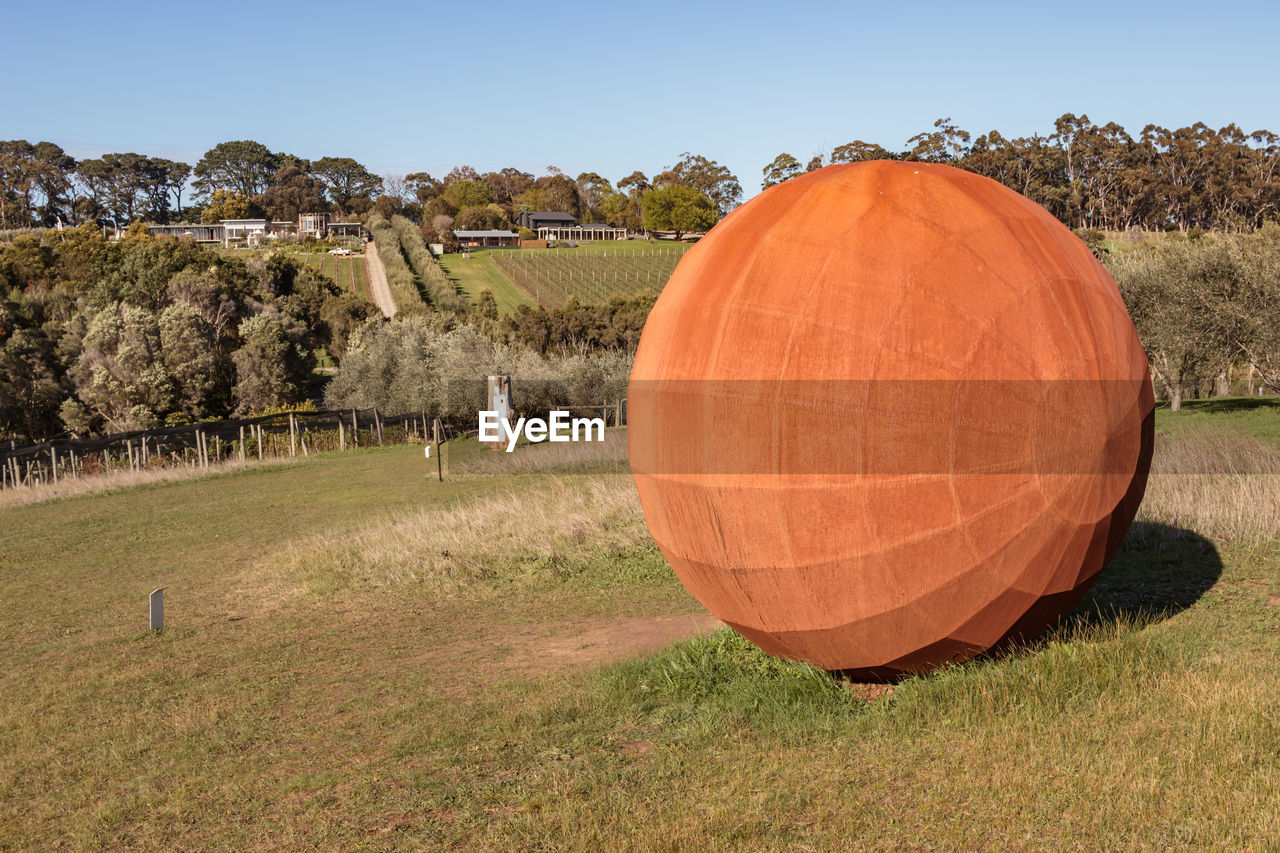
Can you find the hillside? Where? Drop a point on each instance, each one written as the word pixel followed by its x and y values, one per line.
pixel 358 655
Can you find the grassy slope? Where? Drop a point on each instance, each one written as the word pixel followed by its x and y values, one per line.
pixel 478 272
pixel 227 729
pixel 383 716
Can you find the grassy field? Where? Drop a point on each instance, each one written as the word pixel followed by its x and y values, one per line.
pixel 479 271
pixel 1256 416
pixel 360 657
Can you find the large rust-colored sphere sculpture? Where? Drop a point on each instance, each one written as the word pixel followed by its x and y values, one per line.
pixel 887 416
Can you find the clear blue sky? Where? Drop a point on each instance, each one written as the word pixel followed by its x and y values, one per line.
pixel 612 87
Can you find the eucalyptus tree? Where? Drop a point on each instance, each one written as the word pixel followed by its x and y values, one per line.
pixel 783 168
pixel 706 176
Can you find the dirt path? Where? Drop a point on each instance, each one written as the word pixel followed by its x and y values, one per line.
pixel 378 287
pixel 608 640
pixel 469 663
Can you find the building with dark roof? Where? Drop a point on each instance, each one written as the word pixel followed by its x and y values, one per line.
pixel 487 239
pixel 535 219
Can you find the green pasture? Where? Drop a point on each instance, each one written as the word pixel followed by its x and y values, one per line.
pixel 1255 416
pixel 478 272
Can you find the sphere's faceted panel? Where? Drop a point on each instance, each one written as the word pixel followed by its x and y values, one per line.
pixel 889 415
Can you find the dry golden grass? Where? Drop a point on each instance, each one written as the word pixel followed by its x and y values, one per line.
pixel 523 531
pixel 610 454
pixel 115 481
pixel 1223 485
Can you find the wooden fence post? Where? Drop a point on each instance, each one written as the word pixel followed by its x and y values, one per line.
pixel 242 442
pixel 293 436
pixel 435 433
pixel 355 429
pixel 342 435
pixel 53 459
pixel 377 422
pixel 258 429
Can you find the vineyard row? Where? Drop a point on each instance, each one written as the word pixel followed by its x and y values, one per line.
pixel 553 278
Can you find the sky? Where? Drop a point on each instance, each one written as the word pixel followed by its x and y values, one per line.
pixel 614 87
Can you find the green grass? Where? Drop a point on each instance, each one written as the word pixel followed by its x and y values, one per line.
pixel 1256 416
pixel 388 712
pixel 478 273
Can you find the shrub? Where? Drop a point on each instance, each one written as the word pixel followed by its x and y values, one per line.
pixel 439 288
pixel 416 363
pixel 404 291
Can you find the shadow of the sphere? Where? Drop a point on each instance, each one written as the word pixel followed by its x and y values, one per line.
pixel 1221 405
pixel 1159 571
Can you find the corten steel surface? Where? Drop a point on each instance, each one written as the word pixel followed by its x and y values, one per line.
pixel 889 415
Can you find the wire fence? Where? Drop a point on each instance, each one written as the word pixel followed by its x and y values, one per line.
pixel 200 445
pixel 203 444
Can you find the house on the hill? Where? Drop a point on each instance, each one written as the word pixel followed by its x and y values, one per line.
pixel 199 232
pixel 253 231
pixel 313 224
pixel 321 225
pixel 583 233
pixel 535 219
pixel 554 225
pixel 249 230
pixel 487 239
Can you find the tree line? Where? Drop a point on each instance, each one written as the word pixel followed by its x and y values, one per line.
pixel 1099 176
pixel 691 195
pixel 1206 310
pixel 41 186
